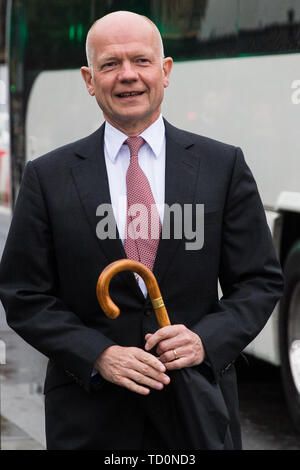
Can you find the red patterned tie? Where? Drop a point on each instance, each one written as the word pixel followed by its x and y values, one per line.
pixel 143 224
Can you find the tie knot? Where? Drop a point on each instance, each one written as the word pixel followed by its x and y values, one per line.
pixel 134 144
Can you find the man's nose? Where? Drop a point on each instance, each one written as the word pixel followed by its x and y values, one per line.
pixel 127 72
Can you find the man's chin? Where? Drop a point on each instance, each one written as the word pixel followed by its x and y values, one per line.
pixel 132 117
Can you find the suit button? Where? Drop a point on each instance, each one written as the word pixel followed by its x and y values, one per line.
pixel 147 312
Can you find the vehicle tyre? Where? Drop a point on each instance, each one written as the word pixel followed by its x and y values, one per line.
pixel 289 333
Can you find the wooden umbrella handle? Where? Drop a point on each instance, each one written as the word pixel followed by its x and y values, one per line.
pixel 110 308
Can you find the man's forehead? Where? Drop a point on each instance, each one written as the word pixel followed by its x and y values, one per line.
pixel 122 35
pixel 112 34
pixel 131 43
pixel 111 50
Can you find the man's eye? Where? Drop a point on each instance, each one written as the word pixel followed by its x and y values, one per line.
pixel 110 64
pixel 143 60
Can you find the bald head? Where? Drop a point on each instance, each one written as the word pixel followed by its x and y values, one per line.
pixel 127 70
pixel 120 22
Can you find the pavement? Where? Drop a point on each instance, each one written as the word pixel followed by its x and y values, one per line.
pixel 15 438
pixel 22 375
pixel 22 400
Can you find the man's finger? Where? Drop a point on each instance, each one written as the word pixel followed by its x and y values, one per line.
pixel 172 355
pixel 163 333
pixel 177 364
pixel 145 380
pixel 150 360
pixel 171 343
pixel 134 387
pixel 149 372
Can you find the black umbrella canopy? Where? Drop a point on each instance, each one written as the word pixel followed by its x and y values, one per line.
pixel 190 413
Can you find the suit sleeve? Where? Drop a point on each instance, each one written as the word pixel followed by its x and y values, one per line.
pixel 250 275
pixel 29 289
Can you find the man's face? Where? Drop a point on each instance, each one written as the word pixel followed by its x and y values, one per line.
pixel 127 74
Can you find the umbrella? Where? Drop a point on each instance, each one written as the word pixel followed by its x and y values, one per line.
pixel 196 416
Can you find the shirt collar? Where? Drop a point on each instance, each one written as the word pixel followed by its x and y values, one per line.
pixel 153 135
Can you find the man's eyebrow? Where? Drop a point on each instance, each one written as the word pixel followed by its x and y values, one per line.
pixel 134 56
pixel 107 58
pixel 142 54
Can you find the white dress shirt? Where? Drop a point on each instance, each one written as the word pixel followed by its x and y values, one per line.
pixel 152 160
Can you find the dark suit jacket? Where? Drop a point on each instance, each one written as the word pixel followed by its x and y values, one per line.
pixel 53 258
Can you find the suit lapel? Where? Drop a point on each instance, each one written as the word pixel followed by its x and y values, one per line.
pixel 180 184
pixel 91 180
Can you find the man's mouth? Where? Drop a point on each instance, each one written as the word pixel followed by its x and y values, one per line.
pixel 129 94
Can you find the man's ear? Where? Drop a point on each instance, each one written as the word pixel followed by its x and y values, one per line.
pixel 167 67
pixel 87 77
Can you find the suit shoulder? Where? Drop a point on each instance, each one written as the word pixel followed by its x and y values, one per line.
pixel 216 155
pixel 213 143
pixel 198 139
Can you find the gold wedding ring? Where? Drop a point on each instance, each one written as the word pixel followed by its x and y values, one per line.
pixel 175 354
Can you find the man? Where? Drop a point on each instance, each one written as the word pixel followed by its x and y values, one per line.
pixel 108 381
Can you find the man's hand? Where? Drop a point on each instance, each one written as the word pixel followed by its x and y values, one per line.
pixel 177 346
pixel 132 368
